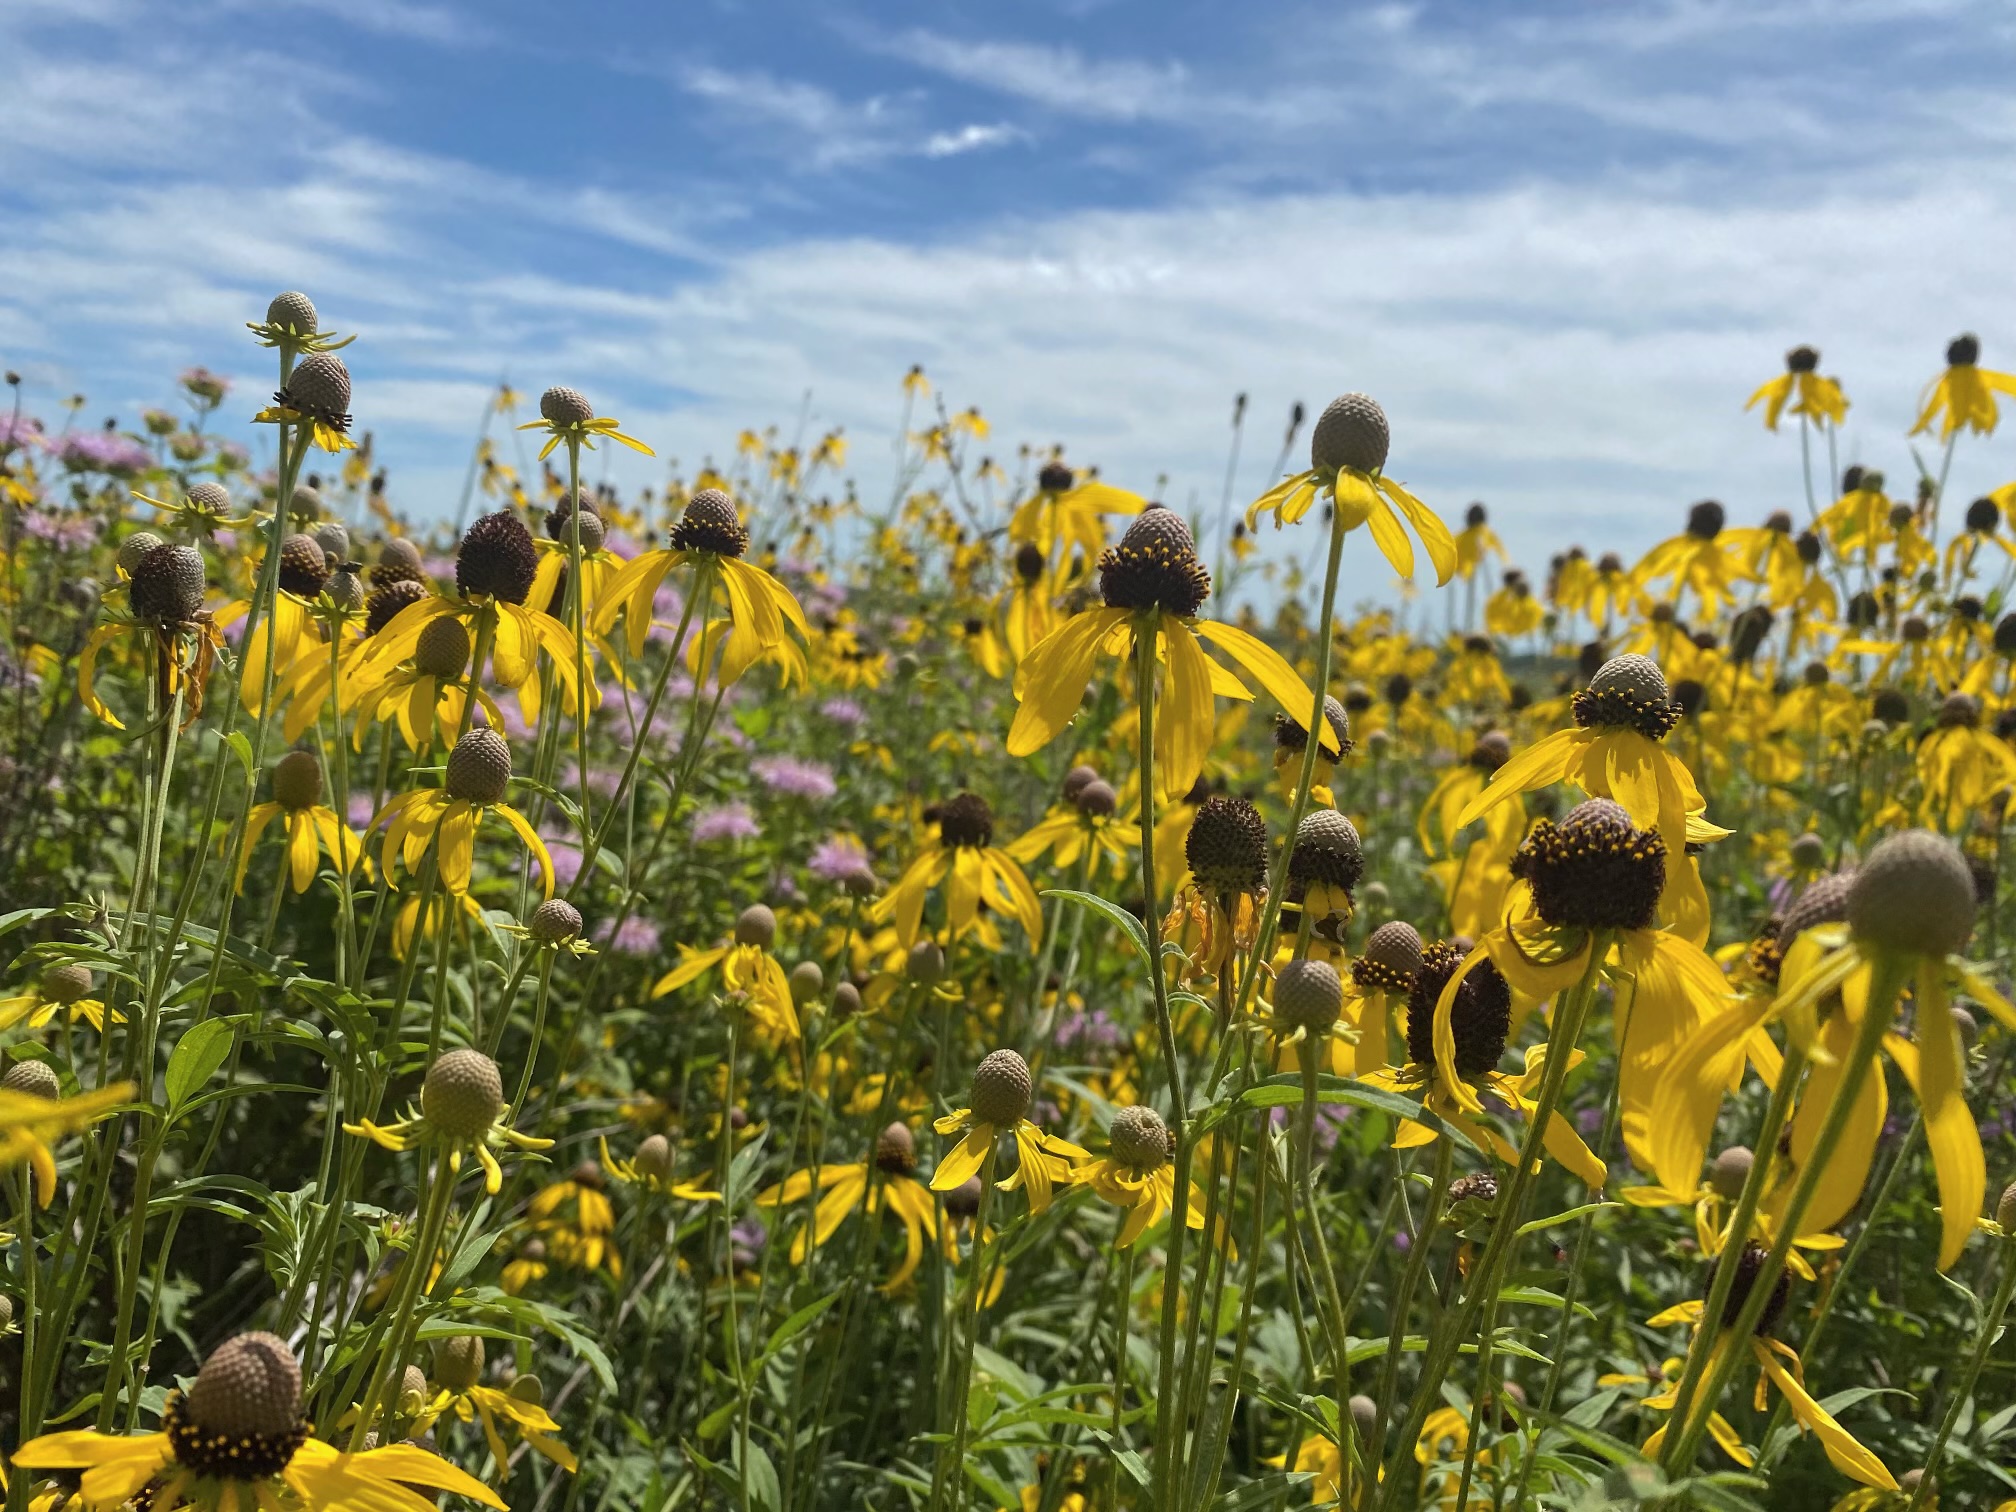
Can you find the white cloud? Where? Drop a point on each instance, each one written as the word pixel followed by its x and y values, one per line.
pixel 1059 78
pixel 971 138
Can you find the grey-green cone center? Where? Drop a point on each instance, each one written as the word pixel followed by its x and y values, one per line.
pixel 463 1094
pixel 443 648
pixel 1913 895
pixel 1350 433
pixel 1392 958
pixel 1309 995
pixel 242 1418
pixel 1139 1139
pixel 458 1362
pixel 1001 1089
pixel 479 768
pixel 1629 691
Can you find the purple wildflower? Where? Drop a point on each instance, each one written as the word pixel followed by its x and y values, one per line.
pixel 794 778
pixel 104 451
pixel 840 860
pixel 637 937
pixel 730 821
pixel 844 711
pixel 25 431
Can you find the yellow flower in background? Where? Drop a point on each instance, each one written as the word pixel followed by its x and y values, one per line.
pixel 1963 395
pixel 1347 461
pixel 1475 542
pixel 64 987
pixel 653 1167
pixel 567 417
pixel 978 871
pixel 710 537
pixel 1000 1105
pixel 1134 1175
pixel 1062 520
pixel 1778 1366
pixel 311 825
pixel 1152 585
pixel 461 1098
pixel 1801 386
pixel 749 974
pixel 458 1372
pixel 479 773
pixel 33 1111
pixel 1960 765
pixel 584 1236
pixel 851 1187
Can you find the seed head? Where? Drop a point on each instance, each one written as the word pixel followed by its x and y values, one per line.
pixel 1705 520
pixel 479 768
pixel 756 925
pixel 497 558
pixel 1628 690
pixel 896 1150
pixel 653 1159
pixel 2005 1210
pixel 297 780
pixel 1227 846
pixel 1594 870
pixel 249 1385
pixel 1075 781
pixel 1029 562
pixel 65 983
pixel 1098 800
pixel 965 819
pixel 1749 1265
pixel 846 1000
pixel 412 1391
pixel 1155 566
pixel 1309 995
pixel 385 604
pixel 33 1078
pixel 565 406
pixel 1808 851
pixel 555 922
pixel 1352 432
pixel 1801 359
pixel 292 312
pixel 808 982
pixel 1480 1018
pixel 1893 708
pixel 463 1094
pixel 168 585
pixel 458 1362
pixel 1289 735
pixel 963 1201
pixel 1730 1171
pixel 319 387
pixel 1327 850
pixel 398 562
pixel 710 523
pixel 1983 515
pixel 1960 711
pixel 1913 894
pixel 443 648
pixel 1001 1089
pixel 334 539
pixel 925 963
pixel 304 566
pixel 1392 959
pixel 305 504
pixel 1139 1139
pixel 1365 1413
pixel 136 546
pixel 1054 477
pixel 1963 350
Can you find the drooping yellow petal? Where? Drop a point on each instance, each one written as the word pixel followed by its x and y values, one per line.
pixel 1051 679
pixel 1843 1451
pixel 963 1161
pixel 1271 670
pixel 1934 1067
pixel 1185 721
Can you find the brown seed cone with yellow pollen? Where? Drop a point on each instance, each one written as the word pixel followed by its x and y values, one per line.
pixel 241 1419
pixel 1392 959
pixel 1628 690
pixel 1227 846
pixel 1594 870
pixel 1480 1019
pixel 497 559
pixel 710 523
pixel 1155 566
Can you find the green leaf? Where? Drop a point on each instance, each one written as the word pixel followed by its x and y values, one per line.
pixel 1539 1296
pixel 1267 1491
pixel 1130 925
pixel 1555 1220
pixel 197 1056
pixel 242 749
pixel 797 1323
pixel 761 1475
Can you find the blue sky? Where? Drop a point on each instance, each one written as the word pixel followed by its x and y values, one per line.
pixel 1561 242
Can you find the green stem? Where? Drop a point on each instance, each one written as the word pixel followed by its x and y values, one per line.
pixel 1963 1389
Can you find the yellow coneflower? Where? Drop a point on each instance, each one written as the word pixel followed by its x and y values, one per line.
pixel 460 1100
pixel 167 618
pixel 1152 585
pixel 458 1374
pixel 653 1167
pixel 316 395
pixel 33 1111
pixel 478 775
pixel 569 419
pixel 237 1439
pixel 1347 463
pixel 1810 395
pixel 1065 511
pixel 1963 395
pixel 1000 1105
pixel 711 539
pixel 584 1237
pixel 64 987
pixel 1134 1174
pixel 1088 823
pixel 976 869
pixel 311 825
pixel 747 968
pixel 850 1186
